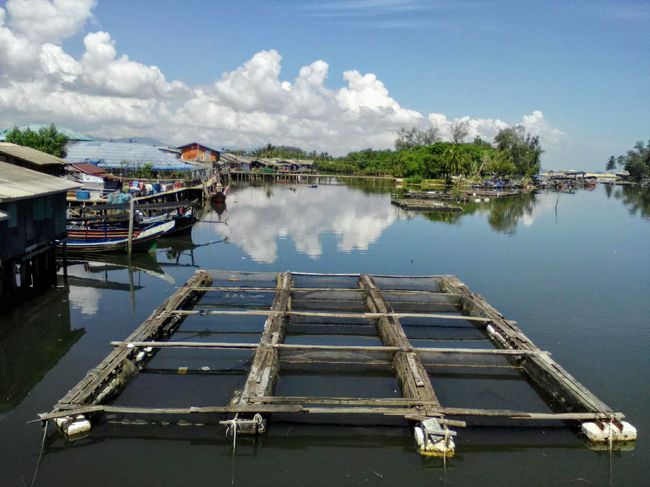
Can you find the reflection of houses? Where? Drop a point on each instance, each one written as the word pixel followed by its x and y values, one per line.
pixel 198 153
pixel 31 159
pixel 34 209
pixel 33 340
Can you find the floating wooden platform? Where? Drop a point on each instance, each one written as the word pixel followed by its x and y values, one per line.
pixel 384 308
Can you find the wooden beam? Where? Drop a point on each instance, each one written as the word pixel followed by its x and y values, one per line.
pixel 370 315
pixel 265 366
pixel 406 412
pixel 411 373
pixel 305 347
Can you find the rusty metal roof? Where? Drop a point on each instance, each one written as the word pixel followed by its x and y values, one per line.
pixel 18 183
pixel 30 155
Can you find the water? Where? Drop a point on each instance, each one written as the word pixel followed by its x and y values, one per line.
pixel 572 269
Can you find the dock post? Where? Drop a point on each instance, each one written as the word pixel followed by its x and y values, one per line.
pixel 131 209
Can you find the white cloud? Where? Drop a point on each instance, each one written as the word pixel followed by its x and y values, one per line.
pixel 106 93
pixel 48 20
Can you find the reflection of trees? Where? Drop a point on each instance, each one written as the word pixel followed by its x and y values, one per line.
pixel 503 214
pixel 506 212
pixel 369 186
pixel 636 198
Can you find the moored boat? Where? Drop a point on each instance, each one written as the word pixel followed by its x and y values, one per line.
pixel 90 240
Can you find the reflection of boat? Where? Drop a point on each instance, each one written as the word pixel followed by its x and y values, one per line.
pixel 104 263
pixel 89 239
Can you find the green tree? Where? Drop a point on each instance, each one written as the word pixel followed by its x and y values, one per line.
pixel 637 161
pixel 523 149
pixel 611 164
pixel 47 139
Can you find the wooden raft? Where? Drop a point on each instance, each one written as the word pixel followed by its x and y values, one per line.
pixel 372 304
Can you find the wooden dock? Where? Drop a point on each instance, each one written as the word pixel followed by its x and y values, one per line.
pixel 334 305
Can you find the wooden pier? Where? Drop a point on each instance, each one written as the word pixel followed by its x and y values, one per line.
pixel 305 177
pixel 335 305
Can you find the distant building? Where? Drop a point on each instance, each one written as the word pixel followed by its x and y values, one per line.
pixel 125 156
pixel 31 159
pixel 32 219
pixel 198 153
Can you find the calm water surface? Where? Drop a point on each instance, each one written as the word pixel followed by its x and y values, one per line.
pixel 572 269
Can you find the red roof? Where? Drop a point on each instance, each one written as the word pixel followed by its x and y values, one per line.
pixel 90 169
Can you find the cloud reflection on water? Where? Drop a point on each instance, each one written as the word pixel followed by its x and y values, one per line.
pixel 260 216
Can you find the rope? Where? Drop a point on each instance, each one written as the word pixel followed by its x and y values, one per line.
pixel 40 455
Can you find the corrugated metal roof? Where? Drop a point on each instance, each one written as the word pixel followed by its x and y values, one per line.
pixel 30 155
pixel 199 144
pixel 116 155
pixel 87 168
pixel 18 183
pixel 35 127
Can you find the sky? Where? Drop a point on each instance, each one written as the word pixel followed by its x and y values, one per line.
pixel 332 75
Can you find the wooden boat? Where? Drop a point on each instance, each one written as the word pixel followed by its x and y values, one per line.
pixel 95 239
pixel 219 197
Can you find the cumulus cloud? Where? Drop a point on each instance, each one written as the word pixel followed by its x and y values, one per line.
pixel 104 92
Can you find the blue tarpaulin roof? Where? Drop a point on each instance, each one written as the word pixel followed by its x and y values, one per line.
pixel 118 155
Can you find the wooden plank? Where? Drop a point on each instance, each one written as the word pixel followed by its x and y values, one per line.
pixel 88 388
pixel 369 315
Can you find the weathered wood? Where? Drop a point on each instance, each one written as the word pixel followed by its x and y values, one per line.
pixel 298 407
pixel 411 373
pixel 89 387
pixel 264 369
pixel 371 315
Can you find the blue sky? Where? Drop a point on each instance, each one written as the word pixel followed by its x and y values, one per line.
pixel 584 64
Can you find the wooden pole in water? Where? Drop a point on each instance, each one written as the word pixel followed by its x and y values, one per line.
pixel 131 208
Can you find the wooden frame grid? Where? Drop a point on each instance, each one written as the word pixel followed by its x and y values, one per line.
pixel 377 296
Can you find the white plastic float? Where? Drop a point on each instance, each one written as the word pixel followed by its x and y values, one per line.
pixel 73 428
pixel 602 432
pixel 433 439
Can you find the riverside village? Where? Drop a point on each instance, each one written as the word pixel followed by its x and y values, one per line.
pixel 262 280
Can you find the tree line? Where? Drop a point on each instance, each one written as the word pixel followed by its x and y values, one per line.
pixel 46 139
pixel 423 154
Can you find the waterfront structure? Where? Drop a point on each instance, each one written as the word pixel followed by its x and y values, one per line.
pixel 31 159
pixel 198 153
pixel 393 310
pixel 32 219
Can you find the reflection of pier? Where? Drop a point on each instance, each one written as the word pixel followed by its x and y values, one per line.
pixel 399 308
pixel 33 338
